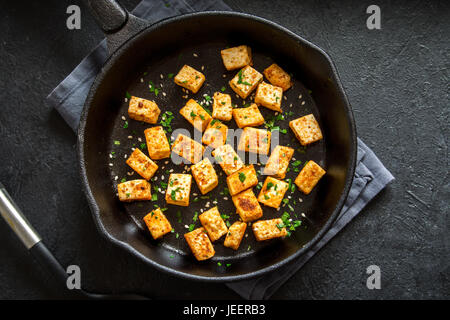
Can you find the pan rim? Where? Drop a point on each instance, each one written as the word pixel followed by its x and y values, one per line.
pixel 95 210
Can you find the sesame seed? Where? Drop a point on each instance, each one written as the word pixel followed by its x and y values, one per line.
pixel 303 103
pixel 123 118
pixel 194 194
pixel 161 76
pixel 225 198
pixel 162 167
pixel 203 68
pixel 130 137
pixel 171 170
pixel 142 80
pixel 164 94
pixel 126 99
pixel 285 98
pixel 125 156
pixel 116 177
pixel 195 55
pixel 110 155
pixel 133 149
pixel 139 139
pixel 300 96
pixel 156 178
pixel 166 162
pixel 186 226
pixel 162 177
pixel 110 164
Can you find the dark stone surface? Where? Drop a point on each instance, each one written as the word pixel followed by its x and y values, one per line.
pixel 396 79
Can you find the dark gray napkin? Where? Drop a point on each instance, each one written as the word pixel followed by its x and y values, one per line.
pixel 370 176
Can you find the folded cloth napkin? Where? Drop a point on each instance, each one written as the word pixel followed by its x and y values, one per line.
pixel 370 176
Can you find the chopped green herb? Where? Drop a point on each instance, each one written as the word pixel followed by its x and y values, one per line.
pixel 117 142
pixel 125 125
pixel 222 89
pixel 297 163
pixel 142 146
pixel 123 180
pixel 128 95
pixel 179 216
pixel 242 176
pixel 154 197
pixel 191 227
pixel 170 75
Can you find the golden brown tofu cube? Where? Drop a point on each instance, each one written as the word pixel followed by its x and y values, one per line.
pixel 143 110
pixel 189 78
pixel 279 161
pixel 245 81
pixel 142 164
pixel 306 129
pixel 188 149
pixel 228 159
pixel 213 223
pixel 205 176
pixel 247 206
pixel 269 229
pixel 236 57
pixel 241 180
pixel 157 144
pixel 200 244
pixel 255 140
pixel 134 190
pixel 235 234
pixel 222 108
pixel 179 189
pixel 248 117
pixel 272 192
pixel 157 223
pixel 278 77
pixel 215 134
pixel 196 115
pixel 309 177
pixel 269 96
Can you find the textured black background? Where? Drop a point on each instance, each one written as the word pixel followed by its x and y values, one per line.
pixel 396 79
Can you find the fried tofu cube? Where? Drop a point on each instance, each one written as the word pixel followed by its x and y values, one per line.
pixel 228 159
pixel 279 161
pixel 235 235
pixel 306 129
pixel 142 164
pixel 196 115
pixel 278 77
pixel 248 117
pixel 309 176
pixel 269 229
pixel 205 176
pixel 200 244
pixel 179 189
pixel 269 96
pixel 236 57
pixel 189 78
pixel 157 144
pixel 245 81
pixel 143 110
pixel 213 223
pixel 272 192
pixel 157 223
pixel 222 108
pixel 188 149
pixel 134 190
pixel 255 140
pixel 215 134
pixel 242 179
pixel 247 206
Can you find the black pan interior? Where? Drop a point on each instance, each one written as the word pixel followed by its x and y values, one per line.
pixel 197 40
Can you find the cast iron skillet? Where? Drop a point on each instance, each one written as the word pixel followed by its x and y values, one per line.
pixel 140 53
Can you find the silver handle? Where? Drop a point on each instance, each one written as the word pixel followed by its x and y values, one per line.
pixel 16 220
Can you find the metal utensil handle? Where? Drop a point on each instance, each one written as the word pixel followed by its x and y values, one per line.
pixel 16 220
pixel 117 24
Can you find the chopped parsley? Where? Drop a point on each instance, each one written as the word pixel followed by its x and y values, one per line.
pixel 223 90
pixel 125 125
pixel 142 146
pixel 123 180
pixel 166 120
pixel 170 75
pixel 117 142
pixel 242 176
pixel 128 95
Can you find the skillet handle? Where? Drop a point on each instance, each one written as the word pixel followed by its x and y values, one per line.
pixel 117 24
